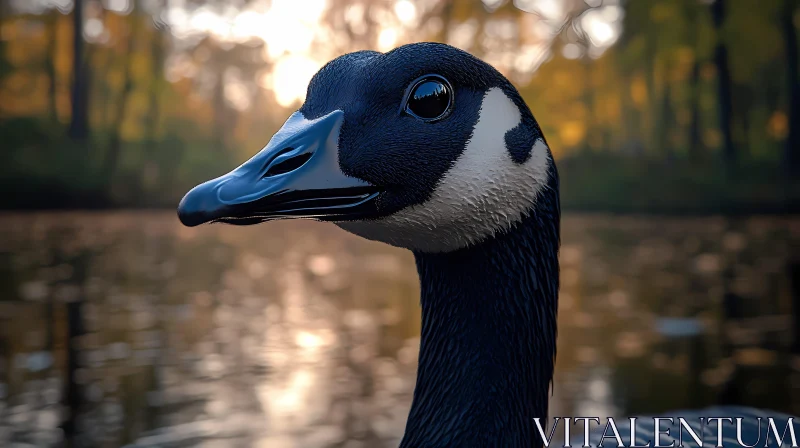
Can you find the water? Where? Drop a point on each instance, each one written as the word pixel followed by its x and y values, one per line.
pixel 296 334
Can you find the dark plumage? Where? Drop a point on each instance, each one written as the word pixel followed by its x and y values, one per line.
pixel 488 342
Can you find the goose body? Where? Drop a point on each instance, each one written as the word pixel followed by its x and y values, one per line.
pixel 431 149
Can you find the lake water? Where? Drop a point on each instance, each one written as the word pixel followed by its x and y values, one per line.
pixel 296 334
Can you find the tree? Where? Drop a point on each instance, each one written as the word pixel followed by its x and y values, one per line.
pixel 695 140
pixel 115 144
pixel 79 123
pixel 5 66
pixel 790 154
pixel 158 50
pixel 723 84
pixel 50 68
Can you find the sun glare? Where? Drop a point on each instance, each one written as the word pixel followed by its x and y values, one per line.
pixel 405 11
pixel 295 37
pixel 290 78
pixel 287 27
pixel 387 39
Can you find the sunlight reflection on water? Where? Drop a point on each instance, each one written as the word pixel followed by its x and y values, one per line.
pixel 296 334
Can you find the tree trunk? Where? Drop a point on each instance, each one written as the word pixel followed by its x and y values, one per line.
pixel 50 65
pixel 220 111
pixel 5 67
pixel 154 109
pixel 115 141
pixel 724 85
pixel 633 135
pixel 152 169
pixel 744 103
pixel 665 115
pixel 651 108
pixel 695 137
pixel 589 103
pixel 103 60
pixel 790 153
pixel 79 123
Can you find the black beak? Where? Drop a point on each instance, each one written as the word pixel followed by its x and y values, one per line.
pixel 297 175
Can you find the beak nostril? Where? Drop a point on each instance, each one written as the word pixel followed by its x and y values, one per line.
pixel 287 165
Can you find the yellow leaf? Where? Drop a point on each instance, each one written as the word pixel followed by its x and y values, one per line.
pixel 572 132
pixel 639 91
pixel 712 138
pixel 778 125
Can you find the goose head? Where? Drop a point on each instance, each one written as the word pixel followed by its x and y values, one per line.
pixel 425 147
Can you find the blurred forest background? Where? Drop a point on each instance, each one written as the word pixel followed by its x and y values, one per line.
pixel 669 106
pixel 126 327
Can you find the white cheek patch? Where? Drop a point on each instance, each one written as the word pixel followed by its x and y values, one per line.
pixel 484 192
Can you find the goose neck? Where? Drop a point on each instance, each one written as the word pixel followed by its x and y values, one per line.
pixel 487 348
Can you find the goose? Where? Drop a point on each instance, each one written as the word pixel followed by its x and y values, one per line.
pixel 429 148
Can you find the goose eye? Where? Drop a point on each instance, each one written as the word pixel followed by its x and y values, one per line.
pixel 430 99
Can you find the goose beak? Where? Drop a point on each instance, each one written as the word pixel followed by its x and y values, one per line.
pixel 297 175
